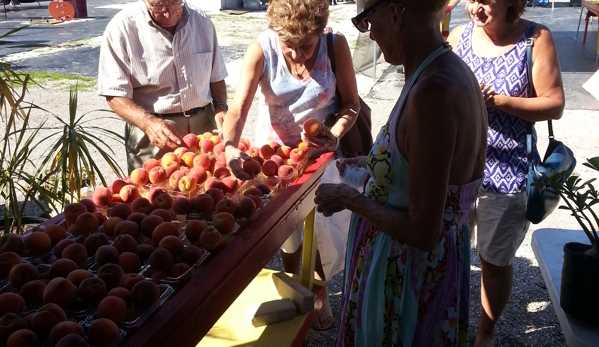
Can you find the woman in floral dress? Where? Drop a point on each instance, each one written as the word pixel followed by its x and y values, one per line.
pixel 407 264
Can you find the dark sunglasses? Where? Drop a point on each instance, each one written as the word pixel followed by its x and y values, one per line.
pixel 361 21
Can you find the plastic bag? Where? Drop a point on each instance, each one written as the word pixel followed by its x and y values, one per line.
pixel 332 231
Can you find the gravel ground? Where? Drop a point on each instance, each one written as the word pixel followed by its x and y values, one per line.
pixel 529 319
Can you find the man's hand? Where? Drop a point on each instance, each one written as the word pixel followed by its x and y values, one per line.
pixel 161 133
pixel 219 118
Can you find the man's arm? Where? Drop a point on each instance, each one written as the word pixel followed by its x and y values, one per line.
pixel 219 97
pixel 161 133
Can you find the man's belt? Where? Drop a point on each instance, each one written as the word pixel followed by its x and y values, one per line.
pixel 184 114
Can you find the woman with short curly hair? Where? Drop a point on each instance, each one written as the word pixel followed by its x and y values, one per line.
pixel 290 63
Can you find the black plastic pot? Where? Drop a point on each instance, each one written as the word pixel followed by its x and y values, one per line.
pixel 580 283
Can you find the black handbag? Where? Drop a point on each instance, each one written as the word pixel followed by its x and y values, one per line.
pixel 357 140
pixel 542 199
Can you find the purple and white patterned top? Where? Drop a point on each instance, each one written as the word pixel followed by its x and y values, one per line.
pixel 507 163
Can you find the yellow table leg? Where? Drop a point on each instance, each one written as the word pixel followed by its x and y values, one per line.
pixel 309 252
pixel 445 25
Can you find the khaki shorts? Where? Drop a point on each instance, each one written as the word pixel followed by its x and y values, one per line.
pixel 139 148
pixel 499 223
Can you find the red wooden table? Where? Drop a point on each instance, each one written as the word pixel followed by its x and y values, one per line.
pixel 186 317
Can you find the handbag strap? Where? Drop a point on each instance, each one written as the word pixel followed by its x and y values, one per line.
pixel 330 49
pixel 529 43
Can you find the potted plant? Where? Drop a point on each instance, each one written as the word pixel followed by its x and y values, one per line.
pixel 580 273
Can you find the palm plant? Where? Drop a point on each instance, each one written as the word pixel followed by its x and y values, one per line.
pixel 17 185
pixel 71 152
pixel 580 199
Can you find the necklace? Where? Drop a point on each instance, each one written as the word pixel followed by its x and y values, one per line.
pixel 298 73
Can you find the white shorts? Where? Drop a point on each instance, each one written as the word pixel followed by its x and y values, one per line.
pixel 499 223
pixel 292 244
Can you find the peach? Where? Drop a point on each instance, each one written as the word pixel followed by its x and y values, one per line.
pixel 172 244
pixel 9 323
pixel 155 192
pixel 71 340
pixel 61 292
pixel 10 242
pixel 106 254
pixel 117 185
pixel 191 141
pixel 72 211
pixel 139 176
pixel 216 139
pixel 170 168
pixel 163 230
pixel 224 222
pixel 178 269
pixel 303 146
pixel 218 148
pixel 298 156
pixel 136 217
pixel 181 205
pixel 226 205
pixel 313 127
pixel 173 180
pixel 193 229
pixel 115 198
pixel 259 159
pixel 11 303
pixel 163 201
pixel 92 290
pixel 222 172
pixel 87 223
pixel 110 224
pixel 254 151
pixel 103 332
pixel 245 206
pixel 187 159
pixel 129 193
pixel 122 293
pixel 111 274
pixel 64 266
pixel 7 261
pixel 257 200
pixel 284 152
pixel 129 262
pixel 202 160
pixel 126 227
pixel 113 308
pixel 23 338
pixel 270 167
pixel 61 246
pixel 251 167
pixel 157 175
pixel 21 274
pixel 149 164
pixel 90 205
pixel 210 237
pixel 191 254
pixel 142 205
pixel 75 252
pixel 165 214
pixel 125 243
pixel 205 202
pixel 121 209
pixel 199 173
pixel 161 260
pixel 93 242
pixel 101 217
pixel 266 151
pixel 149 223
pixel 253 191
pixel 144 294
pixel 46 318
pixel 206 145
pixel 144 251
pixel 102 196
pixel 168 158
pixel 213 182
pixel 159 276
pixel 77 276
pixel 32 292
pixel 63 329
pixel 285 171
pixel 56 233
pixel 130 279
pixel 230 184
pixel 188 184
pixel 179 151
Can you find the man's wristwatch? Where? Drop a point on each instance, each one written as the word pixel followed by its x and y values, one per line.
pixel 221 103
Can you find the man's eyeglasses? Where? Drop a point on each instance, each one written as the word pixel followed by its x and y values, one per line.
pixel 158 8
pixel 361 21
